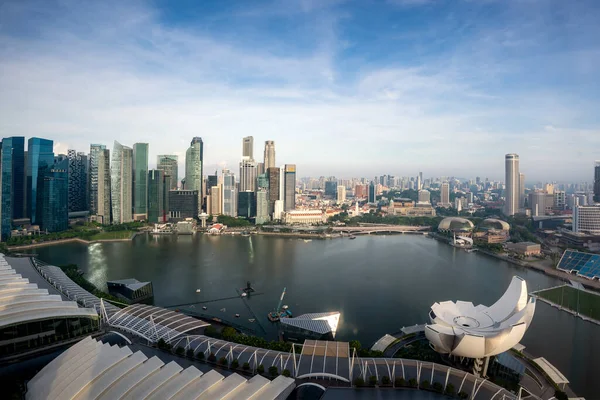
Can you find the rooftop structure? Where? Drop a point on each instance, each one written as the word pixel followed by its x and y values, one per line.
pixel 586 265
pixel 131 289
pixel 320 324
pixel 465 330
pixel 93 370
pixel 455 224
pixel 494 224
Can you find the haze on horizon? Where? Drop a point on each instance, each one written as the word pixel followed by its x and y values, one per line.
pixel 346 88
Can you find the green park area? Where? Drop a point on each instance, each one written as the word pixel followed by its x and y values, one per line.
pixel 580 301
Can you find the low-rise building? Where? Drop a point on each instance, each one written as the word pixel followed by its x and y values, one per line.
pixel 525 248
pixel 304 217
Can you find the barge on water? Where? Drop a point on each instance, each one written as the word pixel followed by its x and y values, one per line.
pixel 279 312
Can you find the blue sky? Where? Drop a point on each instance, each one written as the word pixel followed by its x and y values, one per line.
pixel 346 88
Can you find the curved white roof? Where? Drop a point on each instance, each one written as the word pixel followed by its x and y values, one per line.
pixel 455 223
pixel 21 301
pixel 496 223
pixel 465 330
pixel 92 370
pixel 317 322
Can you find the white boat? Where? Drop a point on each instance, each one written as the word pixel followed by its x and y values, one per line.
pixel 307 240
pixel 251 320
pixel 237 315
pixel 198 290
pixel 244 294
pixel 223 309
pixel 204 307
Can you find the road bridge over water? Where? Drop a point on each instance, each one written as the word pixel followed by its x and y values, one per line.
pixel 366 230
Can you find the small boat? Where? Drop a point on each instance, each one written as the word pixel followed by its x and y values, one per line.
pixel 223 309
pixel 307 240
pixel 198 290
pixel 244 294
pixel 204 307
pixel 237 315
pixel 251 320
pixel 352 237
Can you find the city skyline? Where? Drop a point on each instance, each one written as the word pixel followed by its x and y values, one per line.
pixel 162 75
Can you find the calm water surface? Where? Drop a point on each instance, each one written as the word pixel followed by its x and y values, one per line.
pixel 378 283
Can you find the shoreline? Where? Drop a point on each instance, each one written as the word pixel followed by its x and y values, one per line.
pixel 64 241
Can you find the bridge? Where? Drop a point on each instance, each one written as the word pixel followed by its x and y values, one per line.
pixel 366 230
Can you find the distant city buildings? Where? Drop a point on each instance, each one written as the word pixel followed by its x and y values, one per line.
pixel 168 163
pixel 194 160
pixel 511 205
pixel 140 181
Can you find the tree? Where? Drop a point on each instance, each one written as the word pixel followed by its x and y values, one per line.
pixel 355 344
pixel 425 384
pixel 372 380
pixel 223 361
pixel 273 371
pixel 200 355
pixel 412 382
pixel 211 331
pixel 190 353
pixel 246 366
pixel 260 369
pixel 463 395
pixel 286 373
pixel 399 382
pixel 228 332
pixel 161 343
pixel 179 351
pixel 235 363
pixel 385 380
pixel 359 381
pixel 438 387
pixel 212 357
pixel 450 389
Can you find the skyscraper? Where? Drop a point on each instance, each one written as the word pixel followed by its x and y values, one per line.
pixel 155 195
pixel 273 173
pixel 193 168
pixel 424 196
pixel 95 153
pixel 229 194
pixel 140 181
pixel 168 164
pixel 53 204
pixel 445 194
pixel 597 182
pixel 269 154
pixel 247 175
pixel 121 183
pixel 248 147
pixel 40 156
pixel 12 193
pixel 246 204
pixel 78 180
pixel 521 190
pixel 262 206
pixel 511 204
pixel 215 202
pixel 104 209
pixel 372 192
pixel 289 201
pixel 419 181
pixel 341 194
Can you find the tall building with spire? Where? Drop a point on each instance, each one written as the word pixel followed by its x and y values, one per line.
pixel 269 159
pixel 512 192
pixel 194 160
pixel 121 183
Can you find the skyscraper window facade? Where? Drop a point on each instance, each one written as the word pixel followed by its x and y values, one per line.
pixel 246 204
pixel 194 159
pixel 168 164
pixel 229 194
pixel 104 203
pixel 445 194
pixel 262 206
pixel 155 195
pixel 121 183
pixel 183 204
pixel 78 180
pixel 40 157
pixel 269 158
pixel 247 175
pixel 511 204
pixel 55 195
pixel 274 176
pixel 248 147
pixel 96 151
pixel 597 182
pixel 372 192
pixel 12 162
pixel 140 181
pixel 289 201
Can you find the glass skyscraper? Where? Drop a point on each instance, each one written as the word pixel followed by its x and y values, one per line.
pixel 193 168
pixel 95 154
pixel 121 183
pixel 229 194
pixel 168 164
pixel 12 162
pixel 140 180
pixel 289 200
pixel 40 157
pixel 246 204
pixel 78 180
pixel 53 206
pixel 155 195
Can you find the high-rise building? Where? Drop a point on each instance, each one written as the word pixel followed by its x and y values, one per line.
pixel 597 182
pixel 168 164
pixel 183 204
pixel 511 203
pixel 445 194
pixel 104 211
pixel 341 194
pixel 262 182
pixel 211 180
pixel 246 204
pixel 274 175
pixel 194 159
pixel 269 154
pixel 289 201
pixel 331 188
pixel 53 204
pixel 40 157
pixel 278 210
pixel 521 190
pixel 215 201
pixel 248 147
pixel 12 193
pixel 140 181
pixel 229 194
pixel 121 183
pixel 560 200
pixel 155 195
pixel 78 179
pixel 247 175
pixel 95 151
pixel 262 206
pixel 419 181
pixel 260 168
pixel 372 192
pixel 537 203
pixel 424 196
pixel 586 219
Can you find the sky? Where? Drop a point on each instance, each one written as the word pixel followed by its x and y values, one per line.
pixel 344 88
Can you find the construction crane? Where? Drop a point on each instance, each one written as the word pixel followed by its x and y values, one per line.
pixel 279 312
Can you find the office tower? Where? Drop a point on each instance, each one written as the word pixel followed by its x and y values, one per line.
pixel 12 193
pixel 216 200
pixel 521 190
pixel 155 195
pixel 229 194
pixel 331 188
pixel 260 168
pixel 341 194
pixel 168 164
pixel 372 192
pixel 183 204
pixel 246 204
pixel 262 206
pixel 211 180
pixel 95 153
pixel 248 147
pixel 53 204
pixel 586 219
pixel 560 200
pixel 40 157
pixel 194 159
pixel 597 182
pixel 424 196
pixel 121 181
pixel 419 185
pixel 140 181
pixel 269 154
pixel 537 203
pixel 247 175
pixel 445 194
pixel 289 201
pixel 78 179
pixel 511 203
pixel 262 182
pixel 278 210
pixel 104 211
pixel 274 175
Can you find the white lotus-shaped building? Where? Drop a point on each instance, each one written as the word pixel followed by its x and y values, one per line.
pixel 464 330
